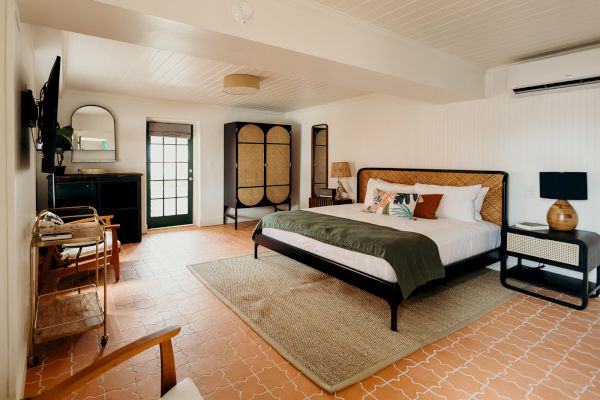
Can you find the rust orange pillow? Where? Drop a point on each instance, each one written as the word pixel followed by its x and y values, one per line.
pixel 427 208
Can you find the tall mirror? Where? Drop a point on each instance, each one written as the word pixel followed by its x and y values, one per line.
pixel 320 135
pixel 94 136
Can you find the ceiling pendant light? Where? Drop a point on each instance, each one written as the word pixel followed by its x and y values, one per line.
pixel 241 84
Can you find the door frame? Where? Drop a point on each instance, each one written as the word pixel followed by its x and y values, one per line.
pixel 171 220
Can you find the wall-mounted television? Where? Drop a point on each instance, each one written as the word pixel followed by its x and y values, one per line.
pixel 48 113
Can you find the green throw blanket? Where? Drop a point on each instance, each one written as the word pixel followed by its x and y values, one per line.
pixel 414 257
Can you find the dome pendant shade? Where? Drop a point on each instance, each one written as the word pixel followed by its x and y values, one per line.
pixel 241 84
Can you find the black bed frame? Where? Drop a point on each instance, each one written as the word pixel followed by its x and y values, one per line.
pixel 387 290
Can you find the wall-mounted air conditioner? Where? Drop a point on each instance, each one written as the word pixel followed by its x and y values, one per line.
pixel 566 71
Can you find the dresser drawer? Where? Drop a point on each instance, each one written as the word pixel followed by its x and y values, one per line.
pixel 320 202
pixel 552 250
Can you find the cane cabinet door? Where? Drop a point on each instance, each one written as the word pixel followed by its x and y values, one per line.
pixel 278 164
pixel 251 165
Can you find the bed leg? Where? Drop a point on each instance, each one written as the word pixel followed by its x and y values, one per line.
pixel 394 300
pixel 255 250
pixel 394 315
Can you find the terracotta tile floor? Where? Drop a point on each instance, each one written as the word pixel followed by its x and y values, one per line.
pixel 527 348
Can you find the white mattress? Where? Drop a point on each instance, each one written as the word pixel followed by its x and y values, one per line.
pixel 456 240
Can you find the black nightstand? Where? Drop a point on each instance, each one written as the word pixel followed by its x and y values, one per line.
pixel 326 201
pixel 576 251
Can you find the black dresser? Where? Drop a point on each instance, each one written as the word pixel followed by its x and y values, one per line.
pixel 117 194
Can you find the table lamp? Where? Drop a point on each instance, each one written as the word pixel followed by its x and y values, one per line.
pixel 339 170
pixel 563 186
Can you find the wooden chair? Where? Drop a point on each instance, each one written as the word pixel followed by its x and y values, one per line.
pixel 169 388
pixel 87 259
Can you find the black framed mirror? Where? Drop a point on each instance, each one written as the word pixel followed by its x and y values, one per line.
pixel 94 138
pixel 319 145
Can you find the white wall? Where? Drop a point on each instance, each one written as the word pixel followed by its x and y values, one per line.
pixel 17 200
pixel 131 115
pixel 522 136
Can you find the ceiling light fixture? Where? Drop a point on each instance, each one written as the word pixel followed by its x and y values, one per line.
pixel 241 84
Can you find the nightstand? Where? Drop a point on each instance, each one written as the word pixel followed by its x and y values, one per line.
pixel 575 251
pixel 326 201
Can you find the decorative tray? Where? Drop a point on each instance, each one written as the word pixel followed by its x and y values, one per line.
pixel 92 171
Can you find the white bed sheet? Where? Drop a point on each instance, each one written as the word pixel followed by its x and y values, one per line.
pixel 456 240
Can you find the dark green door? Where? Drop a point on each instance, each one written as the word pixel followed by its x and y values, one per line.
pixel 169 175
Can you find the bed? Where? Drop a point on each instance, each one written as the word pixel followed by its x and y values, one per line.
pixel 463 246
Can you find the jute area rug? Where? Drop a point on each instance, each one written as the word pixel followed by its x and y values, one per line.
pixel 332 332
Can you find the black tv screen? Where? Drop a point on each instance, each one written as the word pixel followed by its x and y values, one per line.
pixel 48 117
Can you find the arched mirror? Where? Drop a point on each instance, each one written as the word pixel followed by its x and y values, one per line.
pixel 320 135
pixel 94 136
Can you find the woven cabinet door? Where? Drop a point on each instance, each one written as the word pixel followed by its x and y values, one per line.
pixel 278 164
pixel 251 165
pixel 251 134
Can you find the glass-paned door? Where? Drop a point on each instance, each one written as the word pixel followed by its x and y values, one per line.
pixel 169 175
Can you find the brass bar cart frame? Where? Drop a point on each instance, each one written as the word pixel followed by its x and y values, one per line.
pixel 60 307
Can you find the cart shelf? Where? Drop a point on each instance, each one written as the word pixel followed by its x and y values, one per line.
pixel 64 314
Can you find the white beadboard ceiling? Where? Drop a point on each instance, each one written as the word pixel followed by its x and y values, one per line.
pixel 141 52
pixel 486 32
pixel 103 65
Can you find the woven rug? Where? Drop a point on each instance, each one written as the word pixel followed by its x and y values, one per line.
pixel 334 333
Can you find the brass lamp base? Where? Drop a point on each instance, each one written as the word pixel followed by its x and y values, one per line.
pixel 339 191
pixel 562 216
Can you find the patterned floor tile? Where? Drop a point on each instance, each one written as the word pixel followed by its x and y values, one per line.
pixel 526 348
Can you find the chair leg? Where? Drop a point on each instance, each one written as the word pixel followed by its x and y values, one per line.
pixel 77 268
pixel 114 256
pixel 114 260
pixel 51 255
pixel 255 251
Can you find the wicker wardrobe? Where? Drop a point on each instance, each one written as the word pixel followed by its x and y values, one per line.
pixel 258 169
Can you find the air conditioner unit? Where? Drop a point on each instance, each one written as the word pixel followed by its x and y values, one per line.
pixel 566 71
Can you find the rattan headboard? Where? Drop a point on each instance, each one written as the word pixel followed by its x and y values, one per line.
pixel 494 207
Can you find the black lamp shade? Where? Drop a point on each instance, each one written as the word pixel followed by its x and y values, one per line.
pixel 563 185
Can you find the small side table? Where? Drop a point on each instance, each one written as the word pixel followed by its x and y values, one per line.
pixel 326 201
pixel 575 251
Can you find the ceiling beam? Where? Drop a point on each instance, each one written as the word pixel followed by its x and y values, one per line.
pixel 285 37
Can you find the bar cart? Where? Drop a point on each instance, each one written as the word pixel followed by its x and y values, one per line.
pixel 76 309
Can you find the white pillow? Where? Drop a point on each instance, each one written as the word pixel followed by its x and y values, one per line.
pixel 458 202
pixel 395 187
pixel 479 202
pixel 373 184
